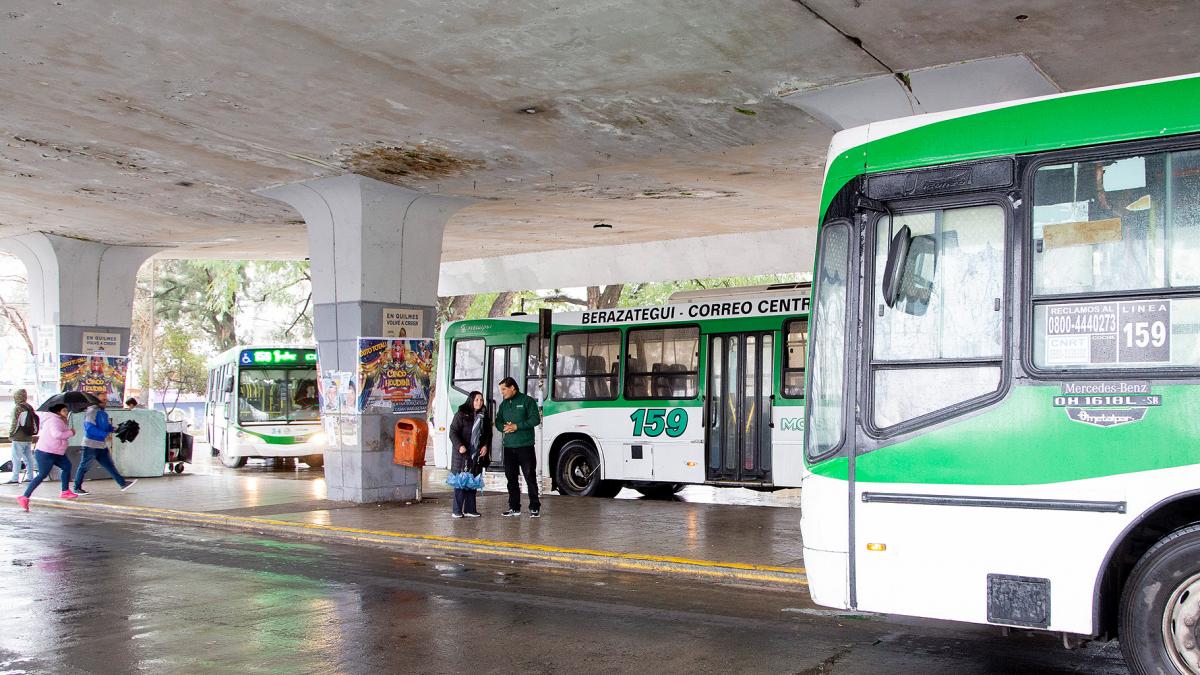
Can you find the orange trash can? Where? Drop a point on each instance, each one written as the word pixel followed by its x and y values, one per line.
pixel 411 437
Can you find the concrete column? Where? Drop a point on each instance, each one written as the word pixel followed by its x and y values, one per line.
pixel 371 245
pixel 77 287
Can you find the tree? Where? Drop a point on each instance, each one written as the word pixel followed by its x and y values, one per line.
pixel 14 303
pixel 202 295
pixel 604 298
pixel 177 366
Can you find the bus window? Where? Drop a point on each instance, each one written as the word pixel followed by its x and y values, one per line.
pixel 927 347
pixel 796 333
pixel 826 403
pixel 585 366
pixel 662 363
pixel 305 404
pixel 1107 227
pixel 468 366
pixel 263 396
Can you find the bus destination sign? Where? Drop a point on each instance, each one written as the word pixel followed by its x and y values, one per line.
pixel 275 358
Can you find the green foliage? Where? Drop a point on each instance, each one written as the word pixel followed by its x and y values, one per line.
pixel 176 365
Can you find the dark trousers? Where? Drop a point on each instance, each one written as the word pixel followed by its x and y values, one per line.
pixel 523 460
pixel 46 461
pixel 102 457
pixel 464 501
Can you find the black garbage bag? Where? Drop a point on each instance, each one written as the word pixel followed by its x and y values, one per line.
pixel 127 431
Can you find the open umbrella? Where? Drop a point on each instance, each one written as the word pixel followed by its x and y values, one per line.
pixel 74 400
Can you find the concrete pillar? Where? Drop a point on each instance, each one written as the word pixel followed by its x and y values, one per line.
pixel 371 245
pixel 77 287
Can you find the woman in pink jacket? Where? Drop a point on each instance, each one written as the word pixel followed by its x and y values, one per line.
pixel 51 451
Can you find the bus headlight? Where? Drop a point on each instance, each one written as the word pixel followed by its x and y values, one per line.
pixel 318 438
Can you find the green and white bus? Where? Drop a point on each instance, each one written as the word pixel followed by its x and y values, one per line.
pixel 709 390
pixel 262 402
pixel 1004 379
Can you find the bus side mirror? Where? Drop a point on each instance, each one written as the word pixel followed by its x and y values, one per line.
pixel 893 269
pixel 919 271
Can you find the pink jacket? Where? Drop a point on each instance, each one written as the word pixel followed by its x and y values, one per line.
pixel 53 435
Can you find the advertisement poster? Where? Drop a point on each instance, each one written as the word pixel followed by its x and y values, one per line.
pixel 337 393
pixel 394 375
pixel 94 375
pixel 401 322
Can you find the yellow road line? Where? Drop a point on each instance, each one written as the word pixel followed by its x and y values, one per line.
pixel 634 561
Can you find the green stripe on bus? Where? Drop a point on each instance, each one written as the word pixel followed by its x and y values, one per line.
pixel 1145 111
pixel 1026 440
pixel 275 439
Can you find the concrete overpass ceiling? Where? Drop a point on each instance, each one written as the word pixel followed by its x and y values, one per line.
pixel 150 123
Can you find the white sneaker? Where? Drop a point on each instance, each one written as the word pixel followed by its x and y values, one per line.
pixel 456 515
pixel 473 515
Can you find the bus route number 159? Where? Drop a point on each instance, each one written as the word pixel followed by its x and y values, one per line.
pixel 654 421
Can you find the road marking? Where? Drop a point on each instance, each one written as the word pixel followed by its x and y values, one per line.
pixel 629 561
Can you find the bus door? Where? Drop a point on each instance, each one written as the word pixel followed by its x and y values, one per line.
pixel 738 390
pixel 503 361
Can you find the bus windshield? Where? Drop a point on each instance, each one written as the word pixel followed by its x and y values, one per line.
pixel 278 395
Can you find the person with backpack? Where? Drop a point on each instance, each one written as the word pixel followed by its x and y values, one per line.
pixel 96 431
pixel 51 452
pixel 24 433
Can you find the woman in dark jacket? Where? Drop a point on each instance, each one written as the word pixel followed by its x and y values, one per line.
pixel 470 438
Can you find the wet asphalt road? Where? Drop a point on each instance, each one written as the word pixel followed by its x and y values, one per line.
pixel 85 595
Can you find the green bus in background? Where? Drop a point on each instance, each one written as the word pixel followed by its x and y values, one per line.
pixel 261 401
pixel 1004 375
pixel 706 390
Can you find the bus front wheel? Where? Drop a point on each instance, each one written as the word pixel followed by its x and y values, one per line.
pixel 578 472
pixel 234 463
pixel 1160 607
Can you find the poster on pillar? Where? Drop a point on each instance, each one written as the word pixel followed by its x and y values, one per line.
pixel 394 374
pixel 94 374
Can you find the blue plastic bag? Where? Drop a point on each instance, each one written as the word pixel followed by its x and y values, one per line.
pixel 463 480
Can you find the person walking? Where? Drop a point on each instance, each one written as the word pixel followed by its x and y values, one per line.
pixel 51 452
pixel 24 433
pixel 97 429
pixel 470 438
pixel 517 417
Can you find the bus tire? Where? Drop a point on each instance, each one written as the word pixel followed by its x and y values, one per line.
pixel 235 463
pixel 1161 594
pixel 659 490
pixel 578 472
pixel 314 461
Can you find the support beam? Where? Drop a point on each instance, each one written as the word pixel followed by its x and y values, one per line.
pixel 371 245
pixel 77 287
pixel 724 255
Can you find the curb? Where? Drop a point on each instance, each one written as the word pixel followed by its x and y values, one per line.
pixel 790 577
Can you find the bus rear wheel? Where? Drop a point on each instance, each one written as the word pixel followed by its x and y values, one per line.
pixel 314 461
pixel 578 472
pixel 1160 607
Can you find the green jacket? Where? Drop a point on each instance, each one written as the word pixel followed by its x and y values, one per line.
pixel 521 410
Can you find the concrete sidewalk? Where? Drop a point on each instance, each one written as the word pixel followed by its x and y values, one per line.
pixel 735 543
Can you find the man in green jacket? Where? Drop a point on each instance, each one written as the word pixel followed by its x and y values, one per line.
pixel 517 417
